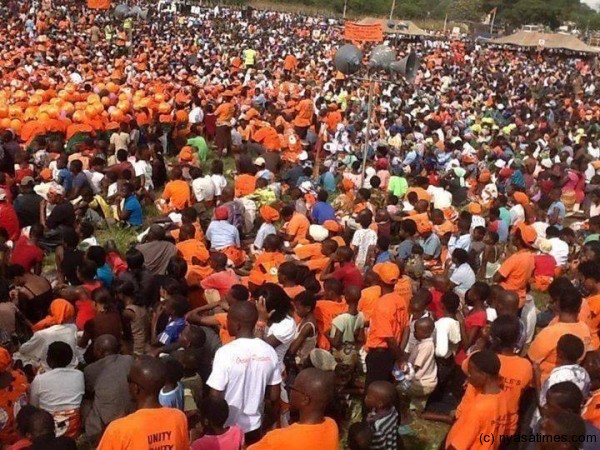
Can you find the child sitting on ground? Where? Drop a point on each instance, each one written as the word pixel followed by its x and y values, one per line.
pixel 381 401
pixel 171 394
pixel 214 433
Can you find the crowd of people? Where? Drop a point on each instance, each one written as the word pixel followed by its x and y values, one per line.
pixel 282 265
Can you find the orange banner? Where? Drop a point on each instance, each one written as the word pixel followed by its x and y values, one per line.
pixel 363 32
pixel 98 4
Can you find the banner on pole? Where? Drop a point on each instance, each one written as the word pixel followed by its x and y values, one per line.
pixel 98 4
pixel 363 32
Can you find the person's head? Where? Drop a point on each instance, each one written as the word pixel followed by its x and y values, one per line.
pixel 76 166
pixel 214 413
pixel 287 273
pixel 323 195
pixel 176 306
pixel 186 232
pixel 192 337
pixel 408 228
pixel 241 319
pixel 217 261
pixel 103 300
pixel 332 289
pixel 352 295
pixel 174 372
pixel 505 332
pixel 70 238
pixel 237 293
pixel 59 355
pixel 155 233
pixel 312 391
pixel 424 328
pixel 41 425
pixel 360 435
pixel 589 277
pixel 484 367
pixel 569 302
pixel 189 215
pixel 106 345
pixel 287 212
pixel 329 247
pixel 563 423
pixel 478 234
pixel 365 218
pixel 304 303
pixel 508 303
pixel 24 419
pixel 419 302
pixel 135 259
pixel 344 254
pixel 491 238
pixel 460 257
pixel 383 243
pixel 437 217
pixel 450 303
pixel 478 294
pixel 277 302
pixel 569 350
pixel 146 378
pixel 381 395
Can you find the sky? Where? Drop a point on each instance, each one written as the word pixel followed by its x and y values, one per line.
pixel 593 3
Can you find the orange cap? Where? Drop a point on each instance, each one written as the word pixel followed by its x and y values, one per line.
pixel 521 198
pixel 387 271
pixel 475 208
pixel 186 154
pixel 269 214
pixel 332 225
pixel 528 233
pixel 46 174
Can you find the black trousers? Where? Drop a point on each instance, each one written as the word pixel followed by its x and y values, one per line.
pixel 252 437
pixel 380 363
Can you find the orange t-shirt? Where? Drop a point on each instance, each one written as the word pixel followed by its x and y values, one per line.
pixel 192 248
pixel 324 436
pixel 593 320
pixel 325 312
pixel 199 233
pixel 224 335
pixel 388 320
pixel 591 410
pixel 422 194
pixel 298 226
pixel 224 112
pixel 177 192
pixel 306 110
pixel 488 416
pixel 269 138
pixel 265 268
pixel 292 291
pixel 517 270
pixel 446 227
pixel 290 62
pixel 309 251
pixel 13 396
pixel 516 375
pixel 543 347
pixel 404 289
pixel 147 428
pixel 245 184
pixel 368 299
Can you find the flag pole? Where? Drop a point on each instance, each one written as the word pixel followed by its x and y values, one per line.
pixel 492 21
pixel 392 10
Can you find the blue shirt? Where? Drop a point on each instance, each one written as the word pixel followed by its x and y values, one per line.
pixel 327 180
pixel 65 178
pixel 502 231
pixel 105 274
pixel 172 399
pixel 172 331
pixel 322 211
pixel 136 216
pixel 383 257
pixel 222 234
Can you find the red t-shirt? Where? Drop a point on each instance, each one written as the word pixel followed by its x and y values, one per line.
pixel 436 303
pixel 85 313
pixel 349 275
pixel 9 221
pixel 221 281
pixel 26 254
pixel 544 265
pixel 475 319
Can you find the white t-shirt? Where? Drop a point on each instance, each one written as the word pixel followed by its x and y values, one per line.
pixel 95 179
pixel 196 115
pixel 242 370
pixel 120 140
pixel 362 240
pixel 517 214
pixel 57 390
pixel 560 251
pixel 285 332
pixel 220 182
pixel 204 188
pixel 447 337
pixel 441 198
pixel 142 167
pixel 464 277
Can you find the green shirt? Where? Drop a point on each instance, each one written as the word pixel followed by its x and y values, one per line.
pixel 592 237
pixel 199 143
pixel 398 186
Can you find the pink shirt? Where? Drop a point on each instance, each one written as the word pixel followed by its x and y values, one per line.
pixel 232 439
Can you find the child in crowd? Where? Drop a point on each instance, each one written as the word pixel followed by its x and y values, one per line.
pixel 348 326
pixel 422 358
pixel 214 434
pixel 490 258
pixel 418 309
pixel 381 401
pixel 171 394
pixel 475 318
pixel 383 250
pixel 360 436
pixel 306 332
pixel 331 306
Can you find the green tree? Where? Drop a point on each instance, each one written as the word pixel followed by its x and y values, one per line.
pixel 466 10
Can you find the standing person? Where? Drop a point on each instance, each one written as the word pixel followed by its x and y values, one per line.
pixel 310 395
pixel 487 414
pixel 386 327
pixel 151 425
pixel 246 373
pixel 8 217
pixel 514 273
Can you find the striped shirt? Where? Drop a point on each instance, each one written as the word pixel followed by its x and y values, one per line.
pixel 385 432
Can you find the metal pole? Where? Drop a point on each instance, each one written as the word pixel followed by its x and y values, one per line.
pixel 368 133
pixel 492 21
pixel 393 8
pixel 345 6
